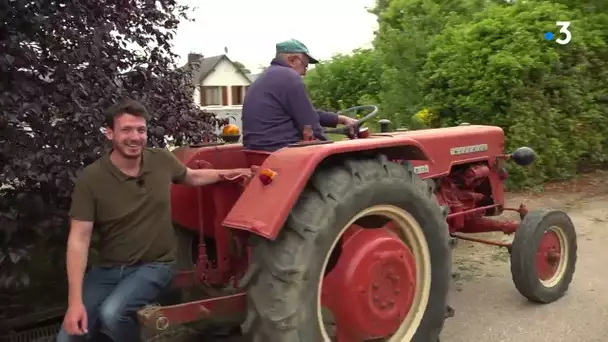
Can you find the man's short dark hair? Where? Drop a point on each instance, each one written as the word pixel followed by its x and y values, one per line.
pixel 125 106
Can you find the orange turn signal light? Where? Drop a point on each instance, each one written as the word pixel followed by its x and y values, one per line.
pixel 266 176
pixel 231 129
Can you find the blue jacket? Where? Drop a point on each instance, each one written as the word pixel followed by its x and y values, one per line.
pixel 276 108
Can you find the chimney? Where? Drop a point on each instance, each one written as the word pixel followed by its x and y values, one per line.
pixel 194 57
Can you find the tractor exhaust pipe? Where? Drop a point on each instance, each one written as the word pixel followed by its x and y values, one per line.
pixel 384 125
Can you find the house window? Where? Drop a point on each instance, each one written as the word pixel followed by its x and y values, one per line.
pixel 211 96
pixel 238 94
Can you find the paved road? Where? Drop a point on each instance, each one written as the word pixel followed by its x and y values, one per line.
pixel 489 308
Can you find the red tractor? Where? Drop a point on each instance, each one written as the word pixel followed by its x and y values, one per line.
pixel 351 241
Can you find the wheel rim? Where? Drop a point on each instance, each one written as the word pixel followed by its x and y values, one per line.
pixel 552 256
pixel 388 292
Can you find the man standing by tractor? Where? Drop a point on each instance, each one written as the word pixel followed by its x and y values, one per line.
pixel 276 108
pixel 125 197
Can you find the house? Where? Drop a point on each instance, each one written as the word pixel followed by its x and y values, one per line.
pixel 253 77
pixel 220 86
pixel 219 83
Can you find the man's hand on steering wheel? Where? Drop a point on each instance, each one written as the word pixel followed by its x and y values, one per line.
pixel 351 126
pixel 348 121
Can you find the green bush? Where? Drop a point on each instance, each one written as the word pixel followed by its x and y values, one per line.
pixel 487 62
pixel 499 70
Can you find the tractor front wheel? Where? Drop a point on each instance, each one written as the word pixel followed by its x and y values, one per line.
pixel 363 256
pixel 543 255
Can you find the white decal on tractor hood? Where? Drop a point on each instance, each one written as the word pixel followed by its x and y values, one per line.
pixel 421 169
pixel 468 149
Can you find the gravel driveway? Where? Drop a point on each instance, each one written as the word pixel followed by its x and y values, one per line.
pixel 489 308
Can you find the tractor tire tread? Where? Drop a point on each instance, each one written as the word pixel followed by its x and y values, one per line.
pixel 277 292
pixel 523 256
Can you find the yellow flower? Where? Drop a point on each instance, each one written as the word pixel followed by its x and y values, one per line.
pixel 426 116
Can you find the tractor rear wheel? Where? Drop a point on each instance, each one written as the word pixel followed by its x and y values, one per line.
pixel 364 256
pixel 543 255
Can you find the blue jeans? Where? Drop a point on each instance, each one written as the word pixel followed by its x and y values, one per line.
pixel 112 296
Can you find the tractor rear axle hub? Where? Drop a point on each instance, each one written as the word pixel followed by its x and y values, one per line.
pixel 373 284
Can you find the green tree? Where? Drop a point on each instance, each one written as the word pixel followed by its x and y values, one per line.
pixel 242 67
pixel 345 81
pixel 499 70
pixel 402 42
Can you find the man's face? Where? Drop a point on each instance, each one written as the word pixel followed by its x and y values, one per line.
pixel 128 135
pixel 299 63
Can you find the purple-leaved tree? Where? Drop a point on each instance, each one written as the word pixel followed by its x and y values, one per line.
pixel 61 64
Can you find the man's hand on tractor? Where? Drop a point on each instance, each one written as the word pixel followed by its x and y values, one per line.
pixel 244 174
pixel 348 121
pixel 75 320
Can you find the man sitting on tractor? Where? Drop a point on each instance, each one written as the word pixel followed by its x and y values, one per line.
pixel 276 108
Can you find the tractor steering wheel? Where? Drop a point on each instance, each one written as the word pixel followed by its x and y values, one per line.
pixel 373 111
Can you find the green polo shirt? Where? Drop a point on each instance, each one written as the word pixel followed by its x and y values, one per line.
pixel 131 214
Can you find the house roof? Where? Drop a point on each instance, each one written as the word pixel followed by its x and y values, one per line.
pixel 252 77
pixel 207 65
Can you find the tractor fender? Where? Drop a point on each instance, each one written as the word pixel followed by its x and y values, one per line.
pixel 262 209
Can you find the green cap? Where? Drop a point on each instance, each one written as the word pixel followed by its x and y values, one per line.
pixel 295 46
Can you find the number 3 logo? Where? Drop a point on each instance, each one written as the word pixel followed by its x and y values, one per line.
pixel 564 29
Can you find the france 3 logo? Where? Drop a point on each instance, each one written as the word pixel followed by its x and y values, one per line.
pixel 564 36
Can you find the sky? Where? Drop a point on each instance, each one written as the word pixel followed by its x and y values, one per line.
pixel 251 28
